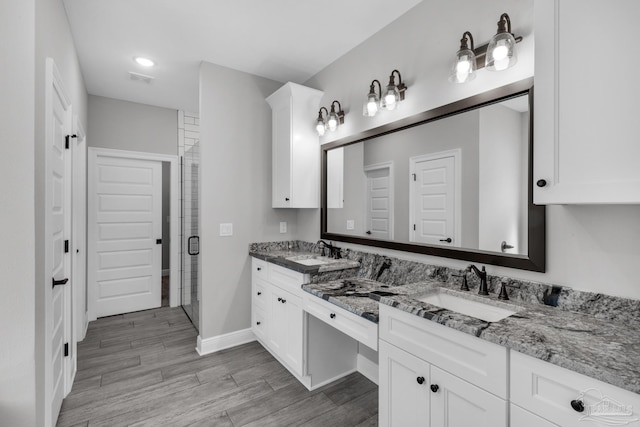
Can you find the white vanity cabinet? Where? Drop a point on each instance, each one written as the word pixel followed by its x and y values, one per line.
pixel 295 147
pixel 586 105
pixel 548 391
pixel 435 376
pixel 277 319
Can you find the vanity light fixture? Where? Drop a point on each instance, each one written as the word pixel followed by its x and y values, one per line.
pixel 501 53
pixel 497 55
pixel 335 119
pixel 321 126
pixel 372 103
pixel 464 67
pixel 394 94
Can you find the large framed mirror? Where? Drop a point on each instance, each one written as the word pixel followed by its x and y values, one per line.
pixel 455 182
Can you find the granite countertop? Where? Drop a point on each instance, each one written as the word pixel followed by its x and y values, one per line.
pixel 279 257
pixel 603 349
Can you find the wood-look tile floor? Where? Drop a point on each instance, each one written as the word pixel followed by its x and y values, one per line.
pixel 142 369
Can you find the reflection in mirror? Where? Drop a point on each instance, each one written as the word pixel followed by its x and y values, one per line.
pixel 452 183
pixel 460 182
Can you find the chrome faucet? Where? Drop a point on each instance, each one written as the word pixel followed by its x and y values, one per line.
pixel 482 274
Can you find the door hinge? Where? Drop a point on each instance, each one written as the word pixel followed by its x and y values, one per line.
pixel 66 140
pixel 414 227
pixel 66 246
pixel 66 349
pixel 414 176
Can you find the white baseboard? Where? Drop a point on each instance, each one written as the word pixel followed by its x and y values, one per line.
pixel 367 368
pixel 232 339
pixel 166 272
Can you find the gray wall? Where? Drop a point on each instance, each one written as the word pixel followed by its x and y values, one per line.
pixel 130 126
pixel 590 248
pixel 17 269
pixel 235 144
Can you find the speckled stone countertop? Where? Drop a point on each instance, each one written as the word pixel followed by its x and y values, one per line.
pixel 602 349
pixel 278 255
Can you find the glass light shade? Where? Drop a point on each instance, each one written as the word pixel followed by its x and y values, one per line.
pixel 320 127
pixel 464 67
pixel 391 98
pixel 371 104
pixel 501 52
pixel 333 122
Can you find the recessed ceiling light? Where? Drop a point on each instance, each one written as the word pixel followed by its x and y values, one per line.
pixel 145 62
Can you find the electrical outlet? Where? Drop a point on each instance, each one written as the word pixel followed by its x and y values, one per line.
pixel 226 229
pixel 283 227
pixel 351 224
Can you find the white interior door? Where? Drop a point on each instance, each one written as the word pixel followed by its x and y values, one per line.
pixel 379 200
pixel 434 208
pixel 58 120
pixel 125 231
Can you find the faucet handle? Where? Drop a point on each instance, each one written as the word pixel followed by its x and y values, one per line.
pixel 503 289
pixel 464 286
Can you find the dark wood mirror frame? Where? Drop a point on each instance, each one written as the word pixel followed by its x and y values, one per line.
pixel 533 261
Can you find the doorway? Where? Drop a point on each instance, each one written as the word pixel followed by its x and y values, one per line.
pixel 379 201
pixel 125 231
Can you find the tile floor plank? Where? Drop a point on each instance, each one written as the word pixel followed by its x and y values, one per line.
pixel 142 369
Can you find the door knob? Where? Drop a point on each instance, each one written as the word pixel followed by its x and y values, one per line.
pixel 332 315
pixel 541 183
pixel 368 232
pixel 58 282
pixel 435 388
pixel 577 405
pixel 420 380
pixel 448 240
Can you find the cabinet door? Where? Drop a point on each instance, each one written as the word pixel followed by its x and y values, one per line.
pixel 586 127
pixel 281 155
pixel 457 403
pixel 521 418
pixel 286 327
pixel 404 388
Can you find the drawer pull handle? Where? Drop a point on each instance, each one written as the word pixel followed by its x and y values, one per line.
pixel 279 299
pixel 258 323
pixel 332 315
pixel 282 300
pixel 259 269
pixel 259 293
pixel 435 388
pixel 577 405
pixel 420 380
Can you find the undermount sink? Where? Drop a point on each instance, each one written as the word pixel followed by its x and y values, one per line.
pixel 310 260
pixel 469 305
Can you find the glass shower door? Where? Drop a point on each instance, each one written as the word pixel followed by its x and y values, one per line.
pixel 190 289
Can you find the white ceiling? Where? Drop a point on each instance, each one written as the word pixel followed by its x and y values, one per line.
pixel 283 40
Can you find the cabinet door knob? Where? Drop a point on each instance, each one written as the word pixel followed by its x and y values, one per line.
pixel 259 293
pixel 286 199
pixel 332 315
pixel 420 380
pixel 257 323
pixel 435 388
pixel 577 405
pixel 541 183
pixel 259 269
pixel 282 300
pixel 279 299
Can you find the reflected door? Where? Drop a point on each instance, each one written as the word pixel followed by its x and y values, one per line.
pixel 189 294
pixel 379 200
pixel 433 195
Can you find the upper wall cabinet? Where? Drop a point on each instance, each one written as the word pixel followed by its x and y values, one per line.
pixel 296 148
pixel 587 104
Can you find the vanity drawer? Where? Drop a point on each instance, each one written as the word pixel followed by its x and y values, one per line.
pixel 286 279
pixel 477 361
pixel 259 269
pixel 547 390
pixel 260 294
pixel 346 322
pixel 259 325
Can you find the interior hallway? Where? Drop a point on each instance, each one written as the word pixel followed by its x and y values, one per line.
pixel 142 369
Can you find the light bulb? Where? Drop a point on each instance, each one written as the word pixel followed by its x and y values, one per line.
pixel 144 61
pixel 332 124
pixel 372 107
pixel 320 128
pixel 390 100
pixel 500 52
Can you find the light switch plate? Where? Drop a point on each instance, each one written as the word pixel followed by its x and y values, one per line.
pixel 226 229
pixel 283 227
pixel 351 224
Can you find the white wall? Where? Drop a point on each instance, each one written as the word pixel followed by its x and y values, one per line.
pixel 592 248
pixel 17 269
pixel 235 144
pixel 125 125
